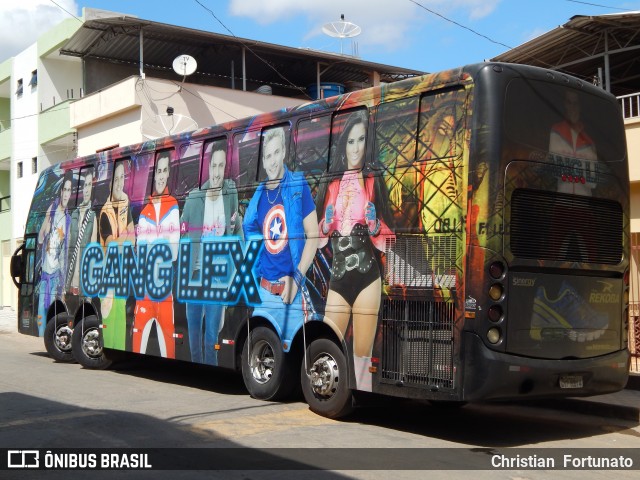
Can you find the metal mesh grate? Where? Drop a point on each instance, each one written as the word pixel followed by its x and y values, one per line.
pixel 418 343
pixel 419 261
pixel 565 228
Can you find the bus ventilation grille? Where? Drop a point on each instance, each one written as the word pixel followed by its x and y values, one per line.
pixel 417 261
pixel 565 228
pixel 417 343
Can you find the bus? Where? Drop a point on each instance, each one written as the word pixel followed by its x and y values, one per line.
pixel 456 237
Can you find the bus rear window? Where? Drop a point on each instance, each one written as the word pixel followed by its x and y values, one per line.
pixel 563 121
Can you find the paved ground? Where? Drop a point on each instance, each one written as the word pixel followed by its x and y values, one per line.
pixel 624 404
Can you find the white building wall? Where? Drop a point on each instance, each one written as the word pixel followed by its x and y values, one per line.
pixel 24 129
pixel 119 114
pixel 61 80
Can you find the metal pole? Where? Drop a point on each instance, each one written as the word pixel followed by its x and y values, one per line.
pixel 141 54
pixel 244 70
pixel 233 76
pixel 607 73
pixel 318 91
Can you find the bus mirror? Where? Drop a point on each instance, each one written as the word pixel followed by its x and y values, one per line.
pixel 16 266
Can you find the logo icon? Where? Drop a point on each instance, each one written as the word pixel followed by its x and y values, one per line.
pixel 23 459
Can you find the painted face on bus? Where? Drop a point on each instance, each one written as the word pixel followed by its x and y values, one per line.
pixel 273 158
pixel 356 140
pixel 572 107
pixel 87 188
pixel 161 175
pixel 65 194
pixel 443 137
pixel 216 169
pixel 118 183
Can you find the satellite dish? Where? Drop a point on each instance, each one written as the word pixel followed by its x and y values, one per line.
pixel 184 65
pixel 341 29
pixel 167 124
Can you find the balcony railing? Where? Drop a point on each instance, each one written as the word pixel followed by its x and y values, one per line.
pixel 630 105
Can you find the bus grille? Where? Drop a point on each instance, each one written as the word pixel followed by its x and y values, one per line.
pixel 419 260
pixel 565 228
pixel 417 343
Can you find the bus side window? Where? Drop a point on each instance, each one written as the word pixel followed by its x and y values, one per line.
pixel 312 148
pixel 246 146
pixel 341 127
pixel 121 179
pixel 79 182
pixel 210 148
pixel 395 150
pixel 274 132
pixel 30 264
pixel 396 128
pixel 138 180
pixel 162 171
pixel 437 126
pixel 185 171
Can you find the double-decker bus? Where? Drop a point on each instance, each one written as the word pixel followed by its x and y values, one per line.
pixel 459 236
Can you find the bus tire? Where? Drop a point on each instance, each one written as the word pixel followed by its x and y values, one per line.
pixel 326 387
pixel 57 338
pixel 88 347
pixel 268 374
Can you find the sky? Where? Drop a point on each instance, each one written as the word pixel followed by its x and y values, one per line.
pixel 424 35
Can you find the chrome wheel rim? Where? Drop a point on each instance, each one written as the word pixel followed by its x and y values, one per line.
pixel 62 338
pixel 91 343
pixel 324 375
pixel 262 363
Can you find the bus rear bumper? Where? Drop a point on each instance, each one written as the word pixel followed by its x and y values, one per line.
pixel 491 375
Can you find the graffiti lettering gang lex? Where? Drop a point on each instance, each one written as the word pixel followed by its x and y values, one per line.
pixel 227 271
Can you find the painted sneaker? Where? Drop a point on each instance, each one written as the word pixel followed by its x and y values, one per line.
pixel 569 313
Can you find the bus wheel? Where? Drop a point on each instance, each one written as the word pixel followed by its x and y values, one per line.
pixel 326 385
pixel 57 338
pixel 88 348
pixel 267 372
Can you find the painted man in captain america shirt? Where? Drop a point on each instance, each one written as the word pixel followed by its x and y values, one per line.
pixel 283 213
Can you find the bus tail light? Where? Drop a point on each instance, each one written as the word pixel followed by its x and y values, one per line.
pixel 495 313
pixel 496 270
pixel 494 335
pixel 495 292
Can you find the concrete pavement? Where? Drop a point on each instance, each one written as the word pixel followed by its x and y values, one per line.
pixel 622 405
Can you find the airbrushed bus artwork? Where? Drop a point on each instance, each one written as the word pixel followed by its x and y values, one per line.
pixel 461 236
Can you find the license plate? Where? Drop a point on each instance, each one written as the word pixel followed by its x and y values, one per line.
pixel 571 381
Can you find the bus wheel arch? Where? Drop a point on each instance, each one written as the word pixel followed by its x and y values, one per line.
pixel 88 347
pixel 267 370
pixel 58 338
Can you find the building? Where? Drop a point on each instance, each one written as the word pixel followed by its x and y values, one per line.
pixel 36 89
pixel 106 80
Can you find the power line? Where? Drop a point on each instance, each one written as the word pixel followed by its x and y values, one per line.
pixel 65 10
pixel 460 25
pixel 531 57
pixel 597 5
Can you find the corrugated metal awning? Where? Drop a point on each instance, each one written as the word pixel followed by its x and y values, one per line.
pixel 117 39
pixel 586 44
